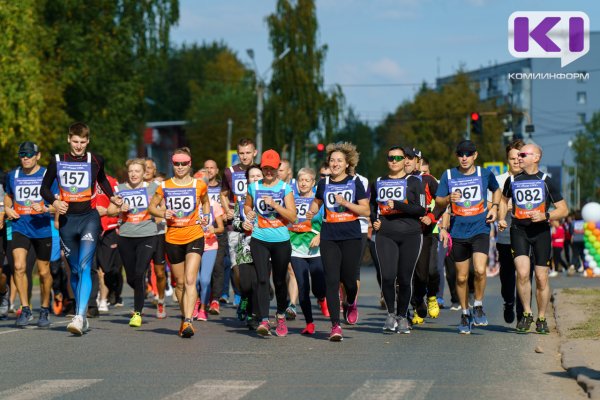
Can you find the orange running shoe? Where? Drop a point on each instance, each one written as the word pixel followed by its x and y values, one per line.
pixel 186 330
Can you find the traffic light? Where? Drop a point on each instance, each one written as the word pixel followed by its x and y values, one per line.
pixel 320 151
pixel 476 123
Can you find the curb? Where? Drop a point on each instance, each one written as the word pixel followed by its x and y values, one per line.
pixel 574 365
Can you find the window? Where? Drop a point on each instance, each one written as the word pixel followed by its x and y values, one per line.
pixel 581 98
pixel 581 118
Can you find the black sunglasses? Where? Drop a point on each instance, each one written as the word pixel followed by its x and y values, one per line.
pixel 464 153
pixel 24 154
pixel 180 164
pixel 395 158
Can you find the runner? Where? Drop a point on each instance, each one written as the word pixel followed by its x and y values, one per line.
pixel 577 238
pixel 185 237
pixel 30 228
pixel 270 204
pixel 77 173
pixel 397 204
pixel 138 233
pixel 532 192
pixel 465 187
pixel 306 258
pixel 345 199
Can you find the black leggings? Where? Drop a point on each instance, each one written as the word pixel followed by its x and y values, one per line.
pixel 426 280
pixel 309 271
pixel 558 259
pixel 280 254
pixel 398 255
pixel 578 255
pixel 136 254
pixel 218 272
pixel 59 278
pixel 341 259
pixel 248 286
pixel 375 261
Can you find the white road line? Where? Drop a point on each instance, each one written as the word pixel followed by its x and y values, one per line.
pixel 208 389
pixel 33 327
pixel 46 389
pixel 392 389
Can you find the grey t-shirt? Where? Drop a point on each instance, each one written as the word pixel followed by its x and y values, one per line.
pixel 138 199
pixel 504 237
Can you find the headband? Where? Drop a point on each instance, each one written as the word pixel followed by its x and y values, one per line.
pixel 181 158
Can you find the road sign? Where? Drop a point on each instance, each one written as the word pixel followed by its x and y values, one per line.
pixel 496 167
pixel 232 158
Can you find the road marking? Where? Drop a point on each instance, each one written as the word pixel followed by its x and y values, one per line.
pixel 46 389
pixel 209 389
pixel 392 389
pixel 33 327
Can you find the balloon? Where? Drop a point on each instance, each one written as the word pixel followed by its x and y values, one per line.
pixel 598 225
pixel 591 212
pixel 589 258
pixel 593 263
pixel 596 232
pixel 589 273
pixel 596 271
pixel 590 225
pixel 586 251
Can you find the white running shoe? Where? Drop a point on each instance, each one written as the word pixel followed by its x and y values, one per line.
pixel 103 305
pixel 76 325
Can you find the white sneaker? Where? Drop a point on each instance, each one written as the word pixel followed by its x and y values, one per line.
pixel 76 325
pixel 86 325
pixel 169 291
pixel 553 274
pixel 103 305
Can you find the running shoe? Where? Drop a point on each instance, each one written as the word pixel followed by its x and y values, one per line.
pixel 186 330
pixel 509 313
pixel 214 307
pixel 433 307
pixel 352 313
pixel 76 325
pixel 5 303
pixel 202 315
pixel 290 312
pixel 323 305
pixel 196 309
pixel 421 309
pixel 455 307
pixel 24 317
pixel 541 326
pixel 43 321
pixel 242 312
pixel 103 306
pixel 224 299
pixel 168 291
pixel 336 333
pixel 309 330
pixel 252 323
pixel 264 329
pixel 92 312
pixel 86 325
pixel 524 324
pixel 390 324
pixel 403 325
pixel 236 300
pixel 57 305
pixel 441 302
pixel 281 328
pixel 479 318
pixel 11 309
pixel 136 320
pixel 119 302
pixel 553 274
pixel 416 319
pixel 464 328
pixel 161 313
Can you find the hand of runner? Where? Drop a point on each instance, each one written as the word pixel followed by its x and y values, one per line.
pixel 37 207
pixel 444 235
pixel 247 225
pixel 124 207
pixel 377 225
pixel 169 213
pixel 426 220
pixel 269 201
pixel 455 196
pixel 502 225
pixel 230 214
pixel 11 213
pixel 116 200
pixel 61 206
pixel 390 204
pixel 339 199
pixel 315 242
pixel 250 215
pixel 537 216
pixel 491 215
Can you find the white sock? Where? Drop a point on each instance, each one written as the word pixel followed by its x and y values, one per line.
pixel 478 303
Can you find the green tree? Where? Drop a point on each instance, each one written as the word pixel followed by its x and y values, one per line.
pixel 297 102
pixel 587 148
pixel 362 135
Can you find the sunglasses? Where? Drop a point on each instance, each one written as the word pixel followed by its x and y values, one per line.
pixel 395 158
pixel 180 164
pixel 26 155
pixel 523 155
pixel 464 153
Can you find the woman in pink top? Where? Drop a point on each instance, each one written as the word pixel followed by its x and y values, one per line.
pixel 558 243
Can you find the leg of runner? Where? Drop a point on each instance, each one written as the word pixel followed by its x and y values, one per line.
pixel 507 281
pixel 292 285
pixel 20 277
pixel 317 281
pixel 302 273
pixel 206 269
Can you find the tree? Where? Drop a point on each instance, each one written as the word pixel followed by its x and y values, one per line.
pixel 587 148
pixel 362 135
pixel 297 102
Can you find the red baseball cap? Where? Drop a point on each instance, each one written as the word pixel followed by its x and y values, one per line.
pixel 270 158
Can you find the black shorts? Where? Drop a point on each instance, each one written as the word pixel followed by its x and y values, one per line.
pixel 536 239
pixel 463 249
pixel 42 246
pixel 107 252
pixel 159 253
pixel 176 252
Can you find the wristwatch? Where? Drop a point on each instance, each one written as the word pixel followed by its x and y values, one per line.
pixel 547 216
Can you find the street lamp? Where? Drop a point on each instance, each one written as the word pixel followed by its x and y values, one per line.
pixel 571 196
pixel 260 90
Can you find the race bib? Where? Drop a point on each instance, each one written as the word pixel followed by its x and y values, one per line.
pixel 214 194
pixel 335 212
pixel 137 200
pixel 302 224
pixel 528 197
pixel 392 189
pixel 27 193
pixel 239 182
pixel 183 202
pixel 267 216
pixel 74 180
pixel 471 198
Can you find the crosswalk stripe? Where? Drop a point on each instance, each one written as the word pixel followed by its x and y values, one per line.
pixel 208 389
pixel 46 389
pixel 392 389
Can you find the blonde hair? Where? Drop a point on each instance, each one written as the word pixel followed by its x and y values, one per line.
pixel 183 150
pixel 138 161
pixel 307 171
pixel 349 151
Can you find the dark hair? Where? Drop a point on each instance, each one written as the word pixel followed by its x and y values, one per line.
pixel 516 144
pixel 245 142
pixel 252 167
pixel 79 129
pixel 424 161
pixel 325 165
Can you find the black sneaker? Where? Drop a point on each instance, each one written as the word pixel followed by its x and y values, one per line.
pixel 421 309
pixel 92 312
pixel 25 317
pixel 43 321
pixel 524 324
pixel 4 303
pixel 509 313
pixel 541 326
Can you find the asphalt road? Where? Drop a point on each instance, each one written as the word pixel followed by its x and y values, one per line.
pixel 226 361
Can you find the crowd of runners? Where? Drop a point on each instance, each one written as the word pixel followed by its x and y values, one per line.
pixel 273 235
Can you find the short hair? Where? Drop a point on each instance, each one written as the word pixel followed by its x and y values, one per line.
pixel 516 144
pixel 183 150
pixel 253 166
pixel 160 175
pixel 424 161
pixel 325 165
pixel 307 171
pixel 246 142
pixel 285 160
pixel 79 129
pixel 138 161
pixel 349 151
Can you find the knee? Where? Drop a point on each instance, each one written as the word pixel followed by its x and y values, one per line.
pixel 461 279
pixel 20 268
pixel 45 275
pixel 160 273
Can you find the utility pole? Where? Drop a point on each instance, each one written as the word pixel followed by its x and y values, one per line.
pixel 229 133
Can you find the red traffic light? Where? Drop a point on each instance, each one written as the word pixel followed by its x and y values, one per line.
pixel 320 147
pixel 475 116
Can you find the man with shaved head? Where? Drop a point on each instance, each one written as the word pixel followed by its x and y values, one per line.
pixel 532 192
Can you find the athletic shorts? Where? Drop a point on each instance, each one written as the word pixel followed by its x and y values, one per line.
pixel 463 249
pixel 525 240
pixel 42 246
pixel 176 252
pixel 159 253
pixel 107 252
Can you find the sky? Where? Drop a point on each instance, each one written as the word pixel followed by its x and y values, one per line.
pixel 379 51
